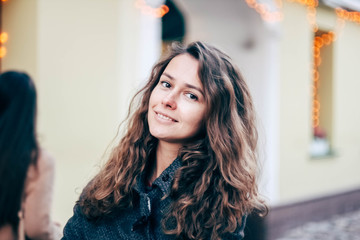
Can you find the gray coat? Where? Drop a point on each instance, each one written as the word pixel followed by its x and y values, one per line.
pixel 138 223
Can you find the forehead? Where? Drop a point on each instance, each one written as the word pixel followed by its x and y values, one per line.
pixel 184 67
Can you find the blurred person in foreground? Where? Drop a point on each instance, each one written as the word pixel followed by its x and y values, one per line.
pixel 26 171
pixel 186 167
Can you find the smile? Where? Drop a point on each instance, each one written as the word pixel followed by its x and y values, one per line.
pixel 165 117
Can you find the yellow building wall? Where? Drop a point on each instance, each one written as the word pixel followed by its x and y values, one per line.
pixel 82 56
pixel 79 107
pixel 346 100
pixel 19 21
pixel 303 177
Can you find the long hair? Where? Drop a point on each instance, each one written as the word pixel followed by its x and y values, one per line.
pixel 217 183
pixel 18 144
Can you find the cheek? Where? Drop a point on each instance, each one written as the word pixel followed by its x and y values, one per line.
pixel 202 116
pixel 196 117
pixel 154 97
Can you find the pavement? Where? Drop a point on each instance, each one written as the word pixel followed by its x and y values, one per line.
pixel 339 227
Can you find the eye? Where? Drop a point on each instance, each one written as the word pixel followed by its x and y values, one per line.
pixel 165 84
pixel 191 96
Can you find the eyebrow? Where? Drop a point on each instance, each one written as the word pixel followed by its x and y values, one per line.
pixel 186 84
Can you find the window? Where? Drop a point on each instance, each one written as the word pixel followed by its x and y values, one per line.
pixel 322 109
pixel 173 26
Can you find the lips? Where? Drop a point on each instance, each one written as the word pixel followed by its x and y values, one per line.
pixel 164 117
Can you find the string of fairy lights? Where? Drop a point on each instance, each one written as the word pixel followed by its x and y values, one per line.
pixel 320 40
pixel 146 9
pixel 3 39
pixel 265 12
pixel 262 8
pixel 269 14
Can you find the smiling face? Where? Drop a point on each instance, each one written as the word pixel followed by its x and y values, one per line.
pixel 177 104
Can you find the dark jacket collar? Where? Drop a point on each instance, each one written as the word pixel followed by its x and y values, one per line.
pixel 164 181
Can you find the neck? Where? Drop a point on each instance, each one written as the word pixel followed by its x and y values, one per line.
pixel 165 155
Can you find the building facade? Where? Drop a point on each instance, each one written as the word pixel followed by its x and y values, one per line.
pixel 300 59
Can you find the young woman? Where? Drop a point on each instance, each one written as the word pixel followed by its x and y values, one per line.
pixel 26 172
pixel 186 167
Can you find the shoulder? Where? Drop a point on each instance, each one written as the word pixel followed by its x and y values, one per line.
pixel 43 169
pixel 6 232
pixel 45 160
pixel 38 197
pixel 74 228
pixel 80 227
pixel 239 232
pixel 45 163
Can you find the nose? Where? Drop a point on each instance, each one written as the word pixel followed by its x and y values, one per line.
pixel 169 101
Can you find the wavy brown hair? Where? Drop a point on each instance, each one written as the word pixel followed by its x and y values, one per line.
pixel 217 183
